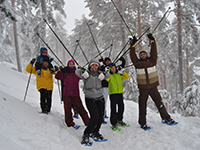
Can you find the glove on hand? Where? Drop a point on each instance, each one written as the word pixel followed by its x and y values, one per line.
pixel 50 60
pixel 150 36
pixel 56 68
pixel 85 74
pixel 133 41
pixel 32 61
pixel 65 70
pixel 101 76
pixel 101 60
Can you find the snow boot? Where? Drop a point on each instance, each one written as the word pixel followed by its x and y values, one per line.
pixel 145 127
pixel 169 121
pixel 86 140
pixel 121 123
pixel 97 137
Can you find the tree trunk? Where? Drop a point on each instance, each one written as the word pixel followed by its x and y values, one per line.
pixel 180 48
pixel 122 25
pixel 44 15
pixel 19 67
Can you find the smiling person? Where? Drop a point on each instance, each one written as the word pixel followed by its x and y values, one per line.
pixel 94 100
pixel 71 95
pixel 147 79
pixel 44 83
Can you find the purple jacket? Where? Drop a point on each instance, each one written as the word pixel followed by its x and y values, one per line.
pixel 71 83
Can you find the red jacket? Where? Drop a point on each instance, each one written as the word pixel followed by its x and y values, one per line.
pixel 71 83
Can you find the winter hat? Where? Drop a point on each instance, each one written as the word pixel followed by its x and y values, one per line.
pixel 143 52
pixel 107 58
pixel 46 58
pixel 43 50
pixel 71 60
pixel 93 61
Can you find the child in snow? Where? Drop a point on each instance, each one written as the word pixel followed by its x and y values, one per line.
pixel 115 86
pixel 147 79
pixel 94 100
pixel 38 64
pixel 71 94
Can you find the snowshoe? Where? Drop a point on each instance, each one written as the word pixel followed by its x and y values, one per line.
pixel 97 137
pixel 104 122
pixel 145 127
pixel 105 117
pixel 115 128
pixel 76 127
pixel 169 121
pixel 86 140
pixel 76 116
pixel 122 124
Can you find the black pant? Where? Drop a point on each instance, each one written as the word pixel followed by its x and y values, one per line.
pixel 96 110
pixel 116 101
pixel 45 100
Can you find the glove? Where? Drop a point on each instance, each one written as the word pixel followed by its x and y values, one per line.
pixel 85 74
pixel 50 60
pixel 101 76
pixel 56 68
pixel 32 61
pixel 150 36
pixel 133 41
pixel 65 70
pixel 101 60
pixel 119 67
pixel 102 68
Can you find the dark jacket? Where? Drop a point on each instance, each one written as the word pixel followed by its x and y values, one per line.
pixel 147 76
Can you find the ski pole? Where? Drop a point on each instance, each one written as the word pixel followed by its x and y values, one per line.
pixel 62 43
pixel 94 40
pixel 50 49
pixel 76 46
pixel 29 78
pixel 98 54
pixel 111 48
pixel 161 20
pixel 83 52
pixel 122 19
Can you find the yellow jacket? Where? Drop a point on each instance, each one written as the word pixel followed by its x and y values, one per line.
pixel 45 81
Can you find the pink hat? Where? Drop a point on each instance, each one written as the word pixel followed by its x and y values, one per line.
pixel 71 60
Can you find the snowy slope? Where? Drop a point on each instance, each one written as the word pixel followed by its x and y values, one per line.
pixel 22 128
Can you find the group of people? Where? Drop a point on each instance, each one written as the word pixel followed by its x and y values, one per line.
pixel 101 78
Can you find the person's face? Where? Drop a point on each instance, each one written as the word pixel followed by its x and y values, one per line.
pixel 108 62
pixel 143 56
pixel 94 67
pixel 45 64
pixel 71 64
pixel 44 54
pixel 113 69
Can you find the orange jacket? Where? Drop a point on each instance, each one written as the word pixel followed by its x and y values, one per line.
pixel 45 81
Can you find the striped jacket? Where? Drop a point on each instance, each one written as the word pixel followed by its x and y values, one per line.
pixel 147 76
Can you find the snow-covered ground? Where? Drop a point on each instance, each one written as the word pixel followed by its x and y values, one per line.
pixel 23 128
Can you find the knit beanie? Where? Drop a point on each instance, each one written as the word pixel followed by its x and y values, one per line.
pixel 143 51
pixel 43 50
pixel 71 60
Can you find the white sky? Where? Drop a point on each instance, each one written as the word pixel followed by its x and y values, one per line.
pixel 74 10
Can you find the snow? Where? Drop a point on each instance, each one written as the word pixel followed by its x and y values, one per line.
pixel 23 128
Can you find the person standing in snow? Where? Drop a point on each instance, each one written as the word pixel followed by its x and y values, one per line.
pixel 44 83
pixel 115 86
pixel 147 79
pixel 71 94
pixel 94 100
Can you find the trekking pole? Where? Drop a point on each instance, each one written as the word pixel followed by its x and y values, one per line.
pixel 111 48
pixel 50 49
pixel 161 20
pixel 62 44
pixel 76 46
pixel 83 52
pixel 29 78
pixel 94 40
pixel 98 54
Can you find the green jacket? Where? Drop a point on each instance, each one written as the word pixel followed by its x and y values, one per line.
pixel 115 85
